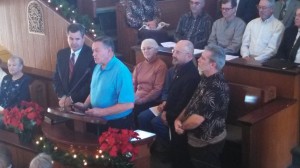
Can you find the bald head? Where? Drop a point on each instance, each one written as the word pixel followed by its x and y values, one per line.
pixel 183 52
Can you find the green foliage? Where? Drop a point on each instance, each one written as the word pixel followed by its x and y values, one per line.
pixel 70 13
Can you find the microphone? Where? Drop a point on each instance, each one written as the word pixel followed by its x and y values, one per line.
pixel 79 81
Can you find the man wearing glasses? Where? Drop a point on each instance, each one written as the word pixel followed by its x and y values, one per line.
pixel 227 32
pixel 195 25
pixel 262 35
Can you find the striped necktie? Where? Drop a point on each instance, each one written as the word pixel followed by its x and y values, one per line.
pixel 71 65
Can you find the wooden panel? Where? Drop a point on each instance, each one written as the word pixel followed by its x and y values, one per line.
pixel 267 143
pixel 38 51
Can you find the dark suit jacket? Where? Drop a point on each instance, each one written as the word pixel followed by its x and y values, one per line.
pixel 287 43
pixel 247 10
pixel 84 63
pixel 289 16
pixel 181 90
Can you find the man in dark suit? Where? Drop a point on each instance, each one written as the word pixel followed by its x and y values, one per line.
pixel 74 67
pixel 247 10
pixel 284 11
pixel 289 49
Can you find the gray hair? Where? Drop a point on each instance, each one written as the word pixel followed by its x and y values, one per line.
pixel 16 58
pixel 150 42
pixel 42 160
pixel 218 55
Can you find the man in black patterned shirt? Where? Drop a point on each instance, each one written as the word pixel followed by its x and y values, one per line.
pixel 204 117
pixel 195 25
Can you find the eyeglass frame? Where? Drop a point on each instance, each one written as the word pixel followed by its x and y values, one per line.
pixel 226 9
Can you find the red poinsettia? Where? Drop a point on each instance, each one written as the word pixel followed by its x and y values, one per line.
pixel 26 116
pixel 116 142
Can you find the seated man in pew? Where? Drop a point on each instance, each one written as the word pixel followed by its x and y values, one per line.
pixel 227 31
pixel 263 35
pixel 204 117
pixel 195 25
pixel 112 95
pixel 289 47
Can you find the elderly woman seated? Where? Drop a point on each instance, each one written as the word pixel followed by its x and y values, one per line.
pixel 15 86
pixel 148 77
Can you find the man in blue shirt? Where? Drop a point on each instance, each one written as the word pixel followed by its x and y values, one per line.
pixel 112 95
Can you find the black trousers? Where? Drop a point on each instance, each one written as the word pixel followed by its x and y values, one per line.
pixel 207 156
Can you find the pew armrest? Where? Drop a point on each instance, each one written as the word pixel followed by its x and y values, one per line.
pixel 265 111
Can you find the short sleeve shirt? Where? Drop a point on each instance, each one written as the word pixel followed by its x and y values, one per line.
pixel 111 86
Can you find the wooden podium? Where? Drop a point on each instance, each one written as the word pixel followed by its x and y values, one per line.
pixel 77 139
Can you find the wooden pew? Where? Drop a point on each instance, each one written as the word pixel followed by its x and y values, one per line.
pixel 262 123
pixel 127 37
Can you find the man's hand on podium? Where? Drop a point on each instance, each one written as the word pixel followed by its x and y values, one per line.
pixel 65 101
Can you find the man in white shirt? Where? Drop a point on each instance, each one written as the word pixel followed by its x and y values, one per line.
pixel 262 35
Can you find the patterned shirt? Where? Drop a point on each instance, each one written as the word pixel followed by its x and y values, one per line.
pixel 196 30
pixel 12 92
pixel 139 11
pixel 210 100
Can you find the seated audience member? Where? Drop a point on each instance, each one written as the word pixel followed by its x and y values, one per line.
pixel 15 86
pixel 42 160
pixel 148 77
pixel 204 117
pixel 142 12
pixel 289 47
pixel 245 9
pixel 227 32
pixel 112 95
pixel 195 25
pixel 5 157
pixel 284 11
pixel 262 35
pixel 181 88
pixel 2 73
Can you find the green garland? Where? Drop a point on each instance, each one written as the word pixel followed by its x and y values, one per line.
pixel 78 160
pixel 70 13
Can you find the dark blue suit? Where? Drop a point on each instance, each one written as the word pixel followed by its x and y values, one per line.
pixel 63 85
pixel 287 43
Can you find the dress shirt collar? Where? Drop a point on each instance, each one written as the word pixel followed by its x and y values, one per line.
pixel 76 54
pixel 271 18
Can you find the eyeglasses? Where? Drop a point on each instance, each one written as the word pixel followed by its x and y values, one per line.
pixel 194 3
pixel 262 7
pixel 147 48
pixel 226 9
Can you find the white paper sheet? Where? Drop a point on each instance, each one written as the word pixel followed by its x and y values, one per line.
pixel 169 44
pixel 230 57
